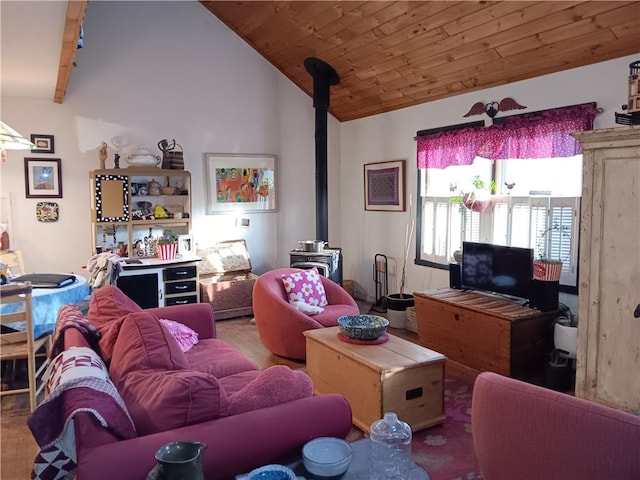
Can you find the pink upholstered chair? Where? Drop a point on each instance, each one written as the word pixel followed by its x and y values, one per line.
pixel 523 431
pixel 280 325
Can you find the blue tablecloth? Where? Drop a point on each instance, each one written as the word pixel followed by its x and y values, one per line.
pixel 46 302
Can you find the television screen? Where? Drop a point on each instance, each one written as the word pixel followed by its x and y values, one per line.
pixel 496 268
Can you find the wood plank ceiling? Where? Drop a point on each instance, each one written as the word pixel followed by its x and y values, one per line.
pixel 391 55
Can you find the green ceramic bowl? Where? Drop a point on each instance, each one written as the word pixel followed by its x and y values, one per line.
pixel 363 327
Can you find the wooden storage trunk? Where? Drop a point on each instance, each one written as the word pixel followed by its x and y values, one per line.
pixel 226 281
pixel 485 332
pixel 396 376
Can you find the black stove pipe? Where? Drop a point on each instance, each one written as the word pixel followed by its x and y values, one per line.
pixel 323 77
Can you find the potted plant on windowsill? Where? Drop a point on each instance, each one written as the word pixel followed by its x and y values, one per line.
pixel 545 268
pixel 167 245
pixel 478 199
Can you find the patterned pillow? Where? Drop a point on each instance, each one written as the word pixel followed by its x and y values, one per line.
pixel 306 287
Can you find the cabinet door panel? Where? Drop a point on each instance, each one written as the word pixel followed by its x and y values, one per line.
pixel 141 288
pixel 619 332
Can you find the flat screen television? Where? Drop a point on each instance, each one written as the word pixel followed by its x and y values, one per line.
pixel 496 268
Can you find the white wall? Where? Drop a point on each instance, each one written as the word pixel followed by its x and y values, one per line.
pixel 144 76
pixel 390 137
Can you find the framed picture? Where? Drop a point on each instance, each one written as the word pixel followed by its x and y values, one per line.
pixel 43 177
pixel 384 186
pixel 240 183
pixel 185 244
pixel 47 211
pixel 43 143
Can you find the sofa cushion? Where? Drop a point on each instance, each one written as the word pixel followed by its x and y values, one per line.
pixel 273 386
pixel 108 306
pixel 218 358
pixel 164 400
pixel 144 344
pixel 236 382
pixel 305 286
pixel 110 303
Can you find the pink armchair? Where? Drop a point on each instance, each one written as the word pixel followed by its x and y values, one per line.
pixel 280 325
pixel 523 431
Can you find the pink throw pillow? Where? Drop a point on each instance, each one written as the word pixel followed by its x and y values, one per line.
pixel 275 385
pixel 185 337
pixel 305 286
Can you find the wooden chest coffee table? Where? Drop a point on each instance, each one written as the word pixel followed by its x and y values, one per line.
pixel 396 376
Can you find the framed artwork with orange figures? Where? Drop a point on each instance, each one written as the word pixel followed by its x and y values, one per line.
pixel 240 183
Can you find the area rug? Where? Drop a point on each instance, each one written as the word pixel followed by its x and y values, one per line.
pixel 446 451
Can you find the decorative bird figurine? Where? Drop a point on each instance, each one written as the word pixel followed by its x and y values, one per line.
pixel 493 107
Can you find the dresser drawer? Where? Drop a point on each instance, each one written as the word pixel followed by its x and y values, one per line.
pixel 180 273
pixel 181 300
pixel 185 286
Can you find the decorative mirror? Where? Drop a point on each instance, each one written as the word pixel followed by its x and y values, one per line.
pixel 112 198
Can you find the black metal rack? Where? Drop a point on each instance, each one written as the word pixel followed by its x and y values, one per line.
pixel 381 281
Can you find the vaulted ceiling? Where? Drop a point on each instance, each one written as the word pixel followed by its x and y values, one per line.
pixel 391 55
pixel 395 54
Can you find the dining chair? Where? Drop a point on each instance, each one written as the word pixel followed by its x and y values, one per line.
pixel 17 345
pixel 14 262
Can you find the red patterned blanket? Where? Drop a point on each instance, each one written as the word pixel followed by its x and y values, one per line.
pixel 78 381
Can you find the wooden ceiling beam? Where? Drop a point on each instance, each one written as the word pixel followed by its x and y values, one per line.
pixel 73 23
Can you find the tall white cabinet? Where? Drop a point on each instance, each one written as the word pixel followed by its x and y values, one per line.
pixel 608 355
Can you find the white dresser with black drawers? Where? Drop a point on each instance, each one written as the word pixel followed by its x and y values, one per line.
pixel 151 282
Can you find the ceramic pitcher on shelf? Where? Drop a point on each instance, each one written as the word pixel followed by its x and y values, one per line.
pixel 179 461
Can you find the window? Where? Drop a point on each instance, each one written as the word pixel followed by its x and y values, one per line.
pixel 536 201
pixel 545 223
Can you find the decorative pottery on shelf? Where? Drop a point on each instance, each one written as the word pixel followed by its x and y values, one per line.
pixel 167 251
pixel 143 158
pixel 547 270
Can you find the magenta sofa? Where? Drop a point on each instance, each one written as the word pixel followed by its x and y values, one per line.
pixel 211 393
pixel 524 432
pixel 281 325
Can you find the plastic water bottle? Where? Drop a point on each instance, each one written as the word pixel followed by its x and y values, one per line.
pixel 390 448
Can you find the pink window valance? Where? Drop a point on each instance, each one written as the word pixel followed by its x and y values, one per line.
pixel 540 135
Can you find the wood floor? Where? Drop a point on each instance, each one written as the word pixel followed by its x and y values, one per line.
pixel 18 448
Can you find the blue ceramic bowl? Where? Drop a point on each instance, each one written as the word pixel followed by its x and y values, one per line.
pixel 363 327
pixel 272 472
